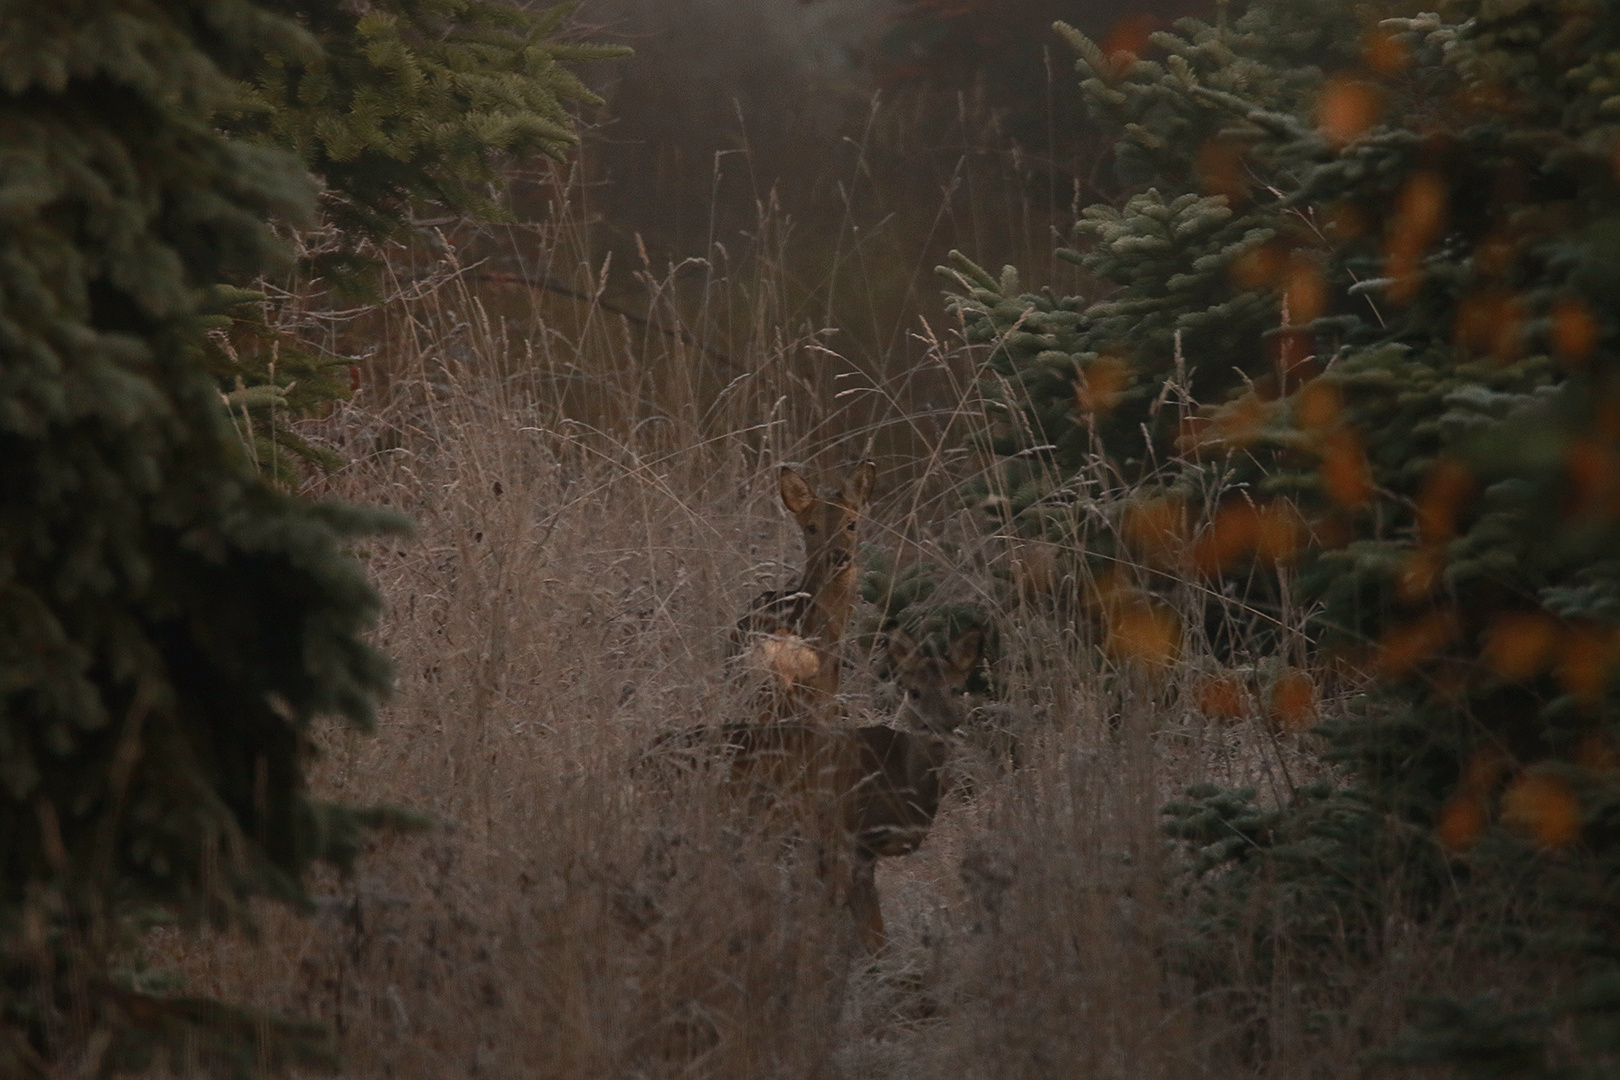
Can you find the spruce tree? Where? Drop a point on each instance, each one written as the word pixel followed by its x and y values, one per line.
pixel 170 624
pixel 1382 257
pixel 413 106
pixel 407 109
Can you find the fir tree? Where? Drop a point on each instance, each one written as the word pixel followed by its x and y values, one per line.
pixel 407 108
pixel 1385 256
pixel 170 624
pixel 414 105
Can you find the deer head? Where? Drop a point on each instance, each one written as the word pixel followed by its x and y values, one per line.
pixel 830 525
pixel 934 684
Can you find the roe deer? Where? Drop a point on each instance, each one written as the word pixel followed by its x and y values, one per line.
pixel 903 772
pixel 794 634
pixel 858 793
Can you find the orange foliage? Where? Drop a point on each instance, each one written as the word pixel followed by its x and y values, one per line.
pixel 1462 819
pixel 1194 434
pixel 1405 647
pixel 1258 267
pixel 1586 660
pixel 1220 170
pixel 1035 568
pixel 1239 424
pixel 1594 477
pixel 1305 290
pixel 1127 39
pixel 1229 538
pixel 1331 531
pixel 1420 211
pixel 1346 476
pixel 1221 697
pixel 1574 332
pixel 1111 588
pixel 1144 631
pixel 1545 808
pixel 1346 109
pixel 1519 644
pixel 1484 768
pixel 1099 384
pixel 1318 405
pixel 1597 753
pixel 1490 321
pixel 1278 531
pixel 1156 529
pixel 1273 532
pixel 1419 572
pixel 1384 53
pixel 1293 701
pixel 1227 427
pixel 1447 485
pixel 1495 254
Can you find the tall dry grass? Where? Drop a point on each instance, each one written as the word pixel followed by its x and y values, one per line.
pixel 565 600
pixel 593 483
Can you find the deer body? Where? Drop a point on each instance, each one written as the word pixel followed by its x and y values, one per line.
pixel 861 793
pixel 794 634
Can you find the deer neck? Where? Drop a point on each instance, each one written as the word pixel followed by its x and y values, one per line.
pixel 831 592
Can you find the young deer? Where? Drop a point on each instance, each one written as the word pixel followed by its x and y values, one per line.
pixel 794 634
pixel 903 771
pixel 859 793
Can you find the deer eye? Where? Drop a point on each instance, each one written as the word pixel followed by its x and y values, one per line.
pixel 850 526
pixel 810 530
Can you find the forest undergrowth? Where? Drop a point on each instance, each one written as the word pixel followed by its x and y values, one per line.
pixel 591 516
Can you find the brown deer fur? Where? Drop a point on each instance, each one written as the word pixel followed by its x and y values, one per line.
pixel 794 634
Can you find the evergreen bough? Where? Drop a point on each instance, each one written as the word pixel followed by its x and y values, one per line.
pixel 406 110
pixel 1374 267
pixel 171 623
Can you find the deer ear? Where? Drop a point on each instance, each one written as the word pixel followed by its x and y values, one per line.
pixel 858 485
pixel 902 646
pixel 796 494
pixel 965 650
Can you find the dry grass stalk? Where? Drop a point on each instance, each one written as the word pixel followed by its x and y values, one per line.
pixel 591 517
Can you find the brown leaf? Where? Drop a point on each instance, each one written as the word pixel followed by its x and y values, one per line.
pixel 1444 490
pixel 1100 383
pixel 1144 631
pixel 1420 571
pixel 1490 322
pixel 1405 647
pixel 1222 697
pixel 1384 53
pixel 1278 531
pixel 1318 405
pixel 1294 701
pixel 1544 807
pixel 1593 467
pixel 1586 660
pixel 1229 537
pixel 1519 644
pixel 1462 819
pixel 1346 109
pixel 1574 332
pixel 1259 267
pixel 1346 476
pixel 1220 170
pixel 1305 289
pixel 1420 211
pixel 1156 529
